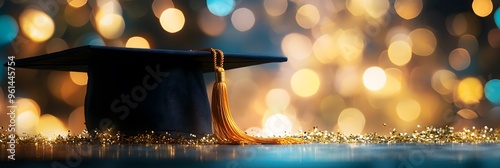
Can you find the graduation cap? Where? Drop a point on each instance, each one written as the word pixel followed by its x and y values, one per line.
pixel 135 90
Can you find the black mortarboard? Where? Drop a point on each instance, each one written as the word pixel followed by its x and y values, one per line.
pixel 136 90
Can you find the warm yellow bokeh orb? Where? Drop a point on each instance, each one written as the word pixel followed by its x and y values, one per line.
pixel 159 6
pixel 351 121
pixel 307 16
pixel 29 119
pixel 111 26
pixel 305 83
pixel 275 7
pixel 172 20
pixel 277 98
pixel 482 8
pixel 50 126
pixel 79 78
pixel 443 81
pixel 470 90
pixel 297 46
pixel 137 42
pixel 76 120
pixel 374 78
pixel 399 53
pixel 355 7
pixel 392 85
pixel 423 42
pixel 408 109
pixel 37 25
pixel 376 8
pixel 77 3
pixel 408 9
pixel 459 59
pixel 323 49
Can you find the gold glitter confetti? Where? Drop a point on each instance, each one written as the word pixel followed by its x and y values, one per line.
pixel 429 135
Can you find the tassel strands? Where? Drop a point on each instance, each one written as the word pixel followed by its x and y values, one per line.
pixel 225 129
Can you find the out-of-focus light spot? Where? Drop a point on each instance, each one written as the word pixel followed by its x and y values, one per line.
pixel 172 20
pixel 355 7
pixel 62 86
pixel 399 53
pixel 307 16
pixel 77 3
pixel 275 7
pixel 56 44
pixel 468 42
pixel 161 5
pixel 392 85
pixel 8 30
pixel 243 19
pixel 408 9
pixel 497 17
pixel 482 8
pixel 137 42
pixel 351 43
pixel 494 37
pixel 470 90
pixel 26 104
pixel 305 82
pixel 220 7
pixel 351 121
pixel 331 106
pixel 323 49
pixel 401 37
pixel 467 114
pixel 79 78
pixel 459 59
pixel 37 25
pixel 111 26
pixel 278 124
pixel 423 42
pixel 492 91
pixel 397 33
pixel 76 120
pixel 443 81
pixel 347 80
pixel 76 17
pixel 28 113
pixel 408 109
pixel 72 93
pixel 374 78
pixel 29 120
pixel 50 126
pixel 210 24
pixel 297 46
pixel 376 8
pixel 277 98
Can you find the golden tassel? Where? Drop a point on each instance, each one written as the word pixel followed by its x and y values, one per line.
pixel 225 129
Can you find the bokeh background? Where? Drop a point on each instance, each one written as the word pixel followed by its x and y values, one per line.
pixel 354 66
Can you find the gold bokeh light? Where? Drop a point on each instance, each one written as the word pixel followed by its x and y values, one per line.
pixel 305 82
pixel 137 42
pixel 172 20
pixel 37 25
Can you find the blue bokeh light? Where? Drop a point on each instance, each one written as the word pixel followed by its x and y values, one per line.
pixel 8 30
pixel 220 7
pixel 497 17
pixel 492 91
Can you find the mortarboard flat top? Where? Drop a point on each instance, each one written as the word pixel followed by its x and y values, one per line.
pixel 135 90
pixel 77 59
